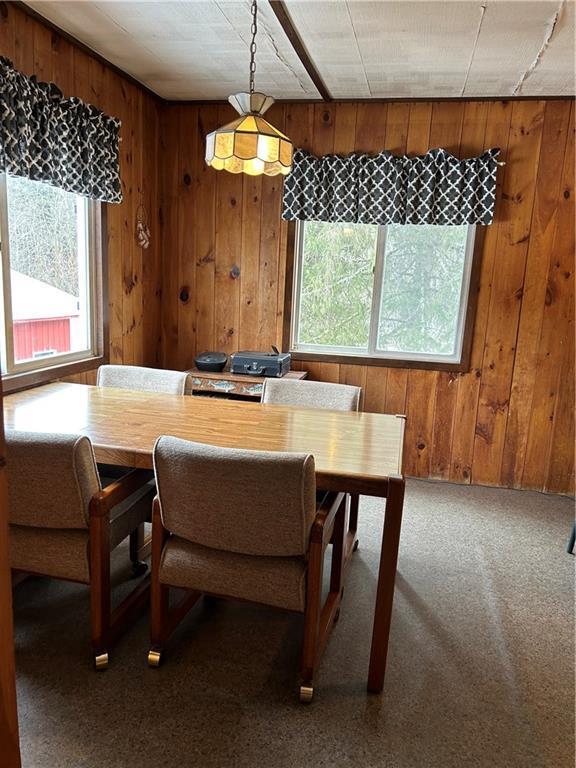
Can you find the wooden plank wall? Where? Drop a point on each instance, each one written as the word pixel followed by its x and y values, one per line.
pixel 9 741
pixel 214 275
pixel 134 274
pixel 509 420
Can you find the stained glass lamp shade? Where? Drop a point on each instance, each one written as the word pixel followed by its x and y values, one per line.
pixel 249 144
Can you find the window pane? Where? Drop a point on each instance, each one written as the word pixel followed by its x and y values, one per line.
pixel 47 233
pixel 336 284
pixel 421 286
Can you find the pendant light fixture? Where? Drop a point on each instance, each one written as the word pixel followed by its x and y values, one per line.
pixel 250 144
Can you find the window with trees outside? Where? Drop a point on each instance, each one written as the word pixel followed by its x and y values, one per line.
pixel 397 292
pixel 50 300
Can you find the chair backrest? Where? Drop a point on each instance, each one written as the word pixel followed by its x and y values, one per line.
pixel 311 394
pixel 251 502
pixel 142 379
pixel 51 479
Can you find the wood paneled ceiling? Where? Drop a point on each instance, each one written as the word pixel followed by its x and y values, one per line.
pixel 362 49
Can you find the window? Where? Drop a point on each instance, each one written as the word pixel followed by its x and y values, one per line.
pixel 51 299
pixel 398 293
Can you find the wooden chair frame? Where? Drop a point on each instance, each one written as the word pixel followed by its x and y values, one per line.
pixel 106 625
pixel 351 541
pixel 319 618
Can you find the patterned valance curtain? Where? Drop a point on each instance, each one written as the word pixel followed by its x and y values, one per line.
pixel 64 142
pixel 435 188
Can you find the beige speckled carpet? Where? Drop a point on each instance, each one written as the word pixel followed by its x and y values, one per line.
pixel 480 669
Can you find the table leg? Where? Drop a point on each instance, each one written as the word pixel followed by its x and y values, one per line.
pixel 385 589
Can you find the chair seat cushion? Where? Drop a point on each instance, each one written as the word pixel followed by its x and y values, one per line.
pixel 62 554
pixel 276 581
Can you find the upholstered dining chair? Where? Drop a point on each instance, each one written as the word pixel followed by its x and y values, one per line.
pixel 142 379
pixel 252 531
pixel 312 394
pixel 327 396
pixel 63 524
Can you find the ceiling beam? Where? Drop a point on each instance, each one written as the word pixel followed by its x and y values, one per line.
pixel 283 17
pixel 365 100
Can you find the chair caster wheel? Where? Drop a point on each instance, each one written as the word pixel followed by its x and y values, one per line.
pixel 154 658
pixel 306 694
pixel 355 547
pixel 101 661
pixel 139 569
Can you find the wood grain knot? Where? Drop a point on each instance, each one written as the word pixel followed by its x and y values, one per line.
pixel 483 433
pixel 566 194
pixel 184 295
pixel 497 406
pixel 235 272
pixel 187 179
pixel 208 258
pixel 517 198
pixel 421 446
pixel 326 116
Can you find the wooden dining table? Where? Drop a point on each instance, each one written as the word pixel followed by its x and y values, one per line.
pixel 358 453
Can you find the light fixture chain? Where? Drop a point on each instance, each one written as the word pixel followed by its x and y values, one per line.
pixel 253 30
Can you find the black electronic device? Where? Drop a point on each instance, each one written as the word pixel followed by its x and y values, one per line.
pixel 213 362
pixel 273 364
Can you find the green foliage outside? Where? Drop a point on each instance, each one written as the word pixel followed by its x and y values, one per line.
pixel 336 289
pixel 421 288
pixel 422 278
pixel 43 233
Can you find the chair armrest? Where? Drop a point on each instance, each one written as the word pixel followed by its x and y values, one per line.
pixel 156 516
pixel 159 536
pixel 120 489
pixel 325 516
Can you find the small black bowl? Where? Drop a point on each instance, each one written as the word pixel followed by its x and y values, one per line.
pixel 213 362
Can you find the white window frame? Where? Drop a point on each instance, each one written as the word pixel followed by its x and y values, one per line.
pixel 90 228
pixel 372 350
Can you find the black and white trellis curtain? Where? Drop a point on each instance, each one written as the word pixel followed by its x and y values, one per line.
pixel 64 142
pixel 435 188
